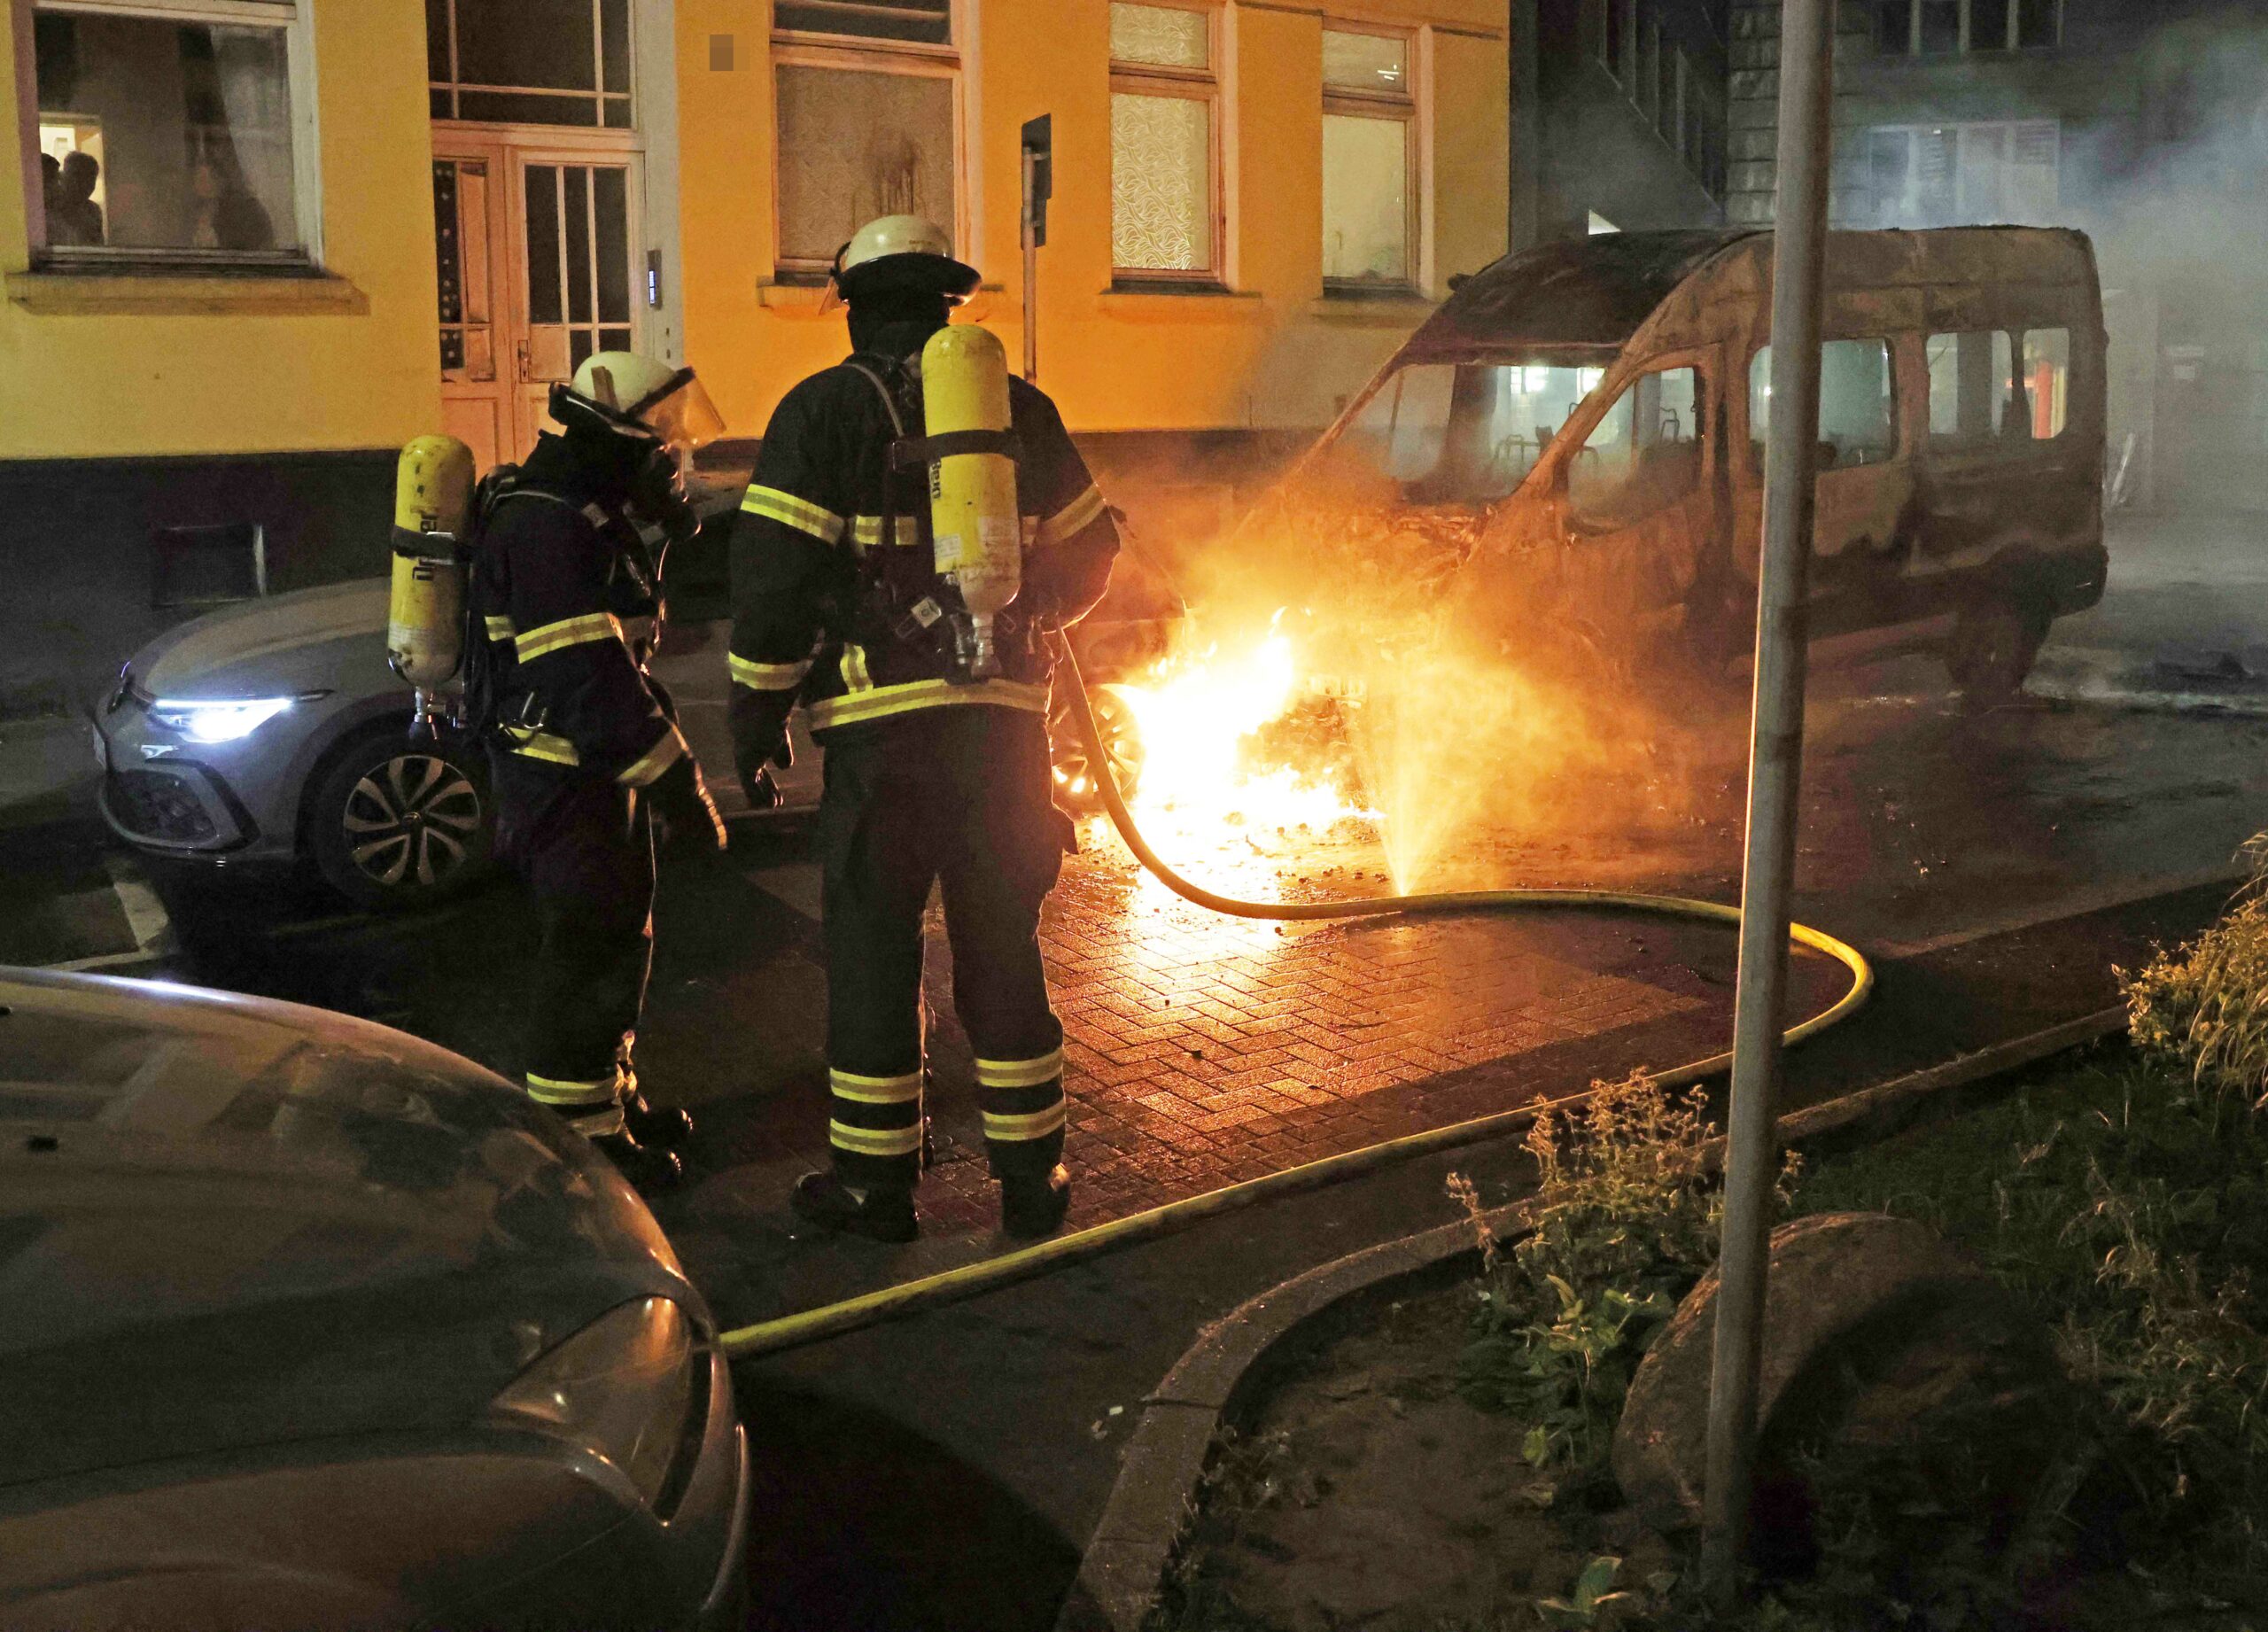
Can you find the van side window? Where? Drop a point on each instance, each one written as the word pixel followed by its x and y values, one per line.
pixel 1644 456
pixel 1858 408
pixel 1464 434
pixel 1998 389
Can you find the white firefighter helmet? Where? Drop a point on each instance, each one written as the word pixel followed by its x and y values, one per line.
pixel 669 401
pixel 903 252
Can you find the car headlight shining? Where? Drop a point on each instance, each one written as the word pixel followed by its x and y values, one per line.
pixel 217 719
pixel 625 1387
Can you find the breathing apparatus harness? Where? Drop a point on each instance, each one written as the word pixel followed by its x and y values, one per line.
pixel 633 577
pixel 927 617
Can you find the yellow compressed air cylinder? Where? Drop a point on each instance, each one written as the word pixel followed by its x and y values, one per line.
pixel 978 539
pixel 432 507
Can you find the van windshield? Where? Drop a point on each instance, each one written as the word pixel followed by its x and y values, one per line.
pixel 1462 433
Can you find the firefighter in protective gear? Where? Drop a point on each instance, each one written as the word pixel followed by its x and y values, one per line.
pixel 583 744
pixel 933 777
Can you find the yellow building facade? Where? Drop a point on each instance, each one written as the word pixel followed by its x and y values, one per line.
pixel 1265 347
pixel 254 246
pixel 119 351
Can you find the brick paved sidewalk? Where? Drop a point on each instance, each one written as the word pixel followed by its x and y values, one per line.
pixel 1201 1050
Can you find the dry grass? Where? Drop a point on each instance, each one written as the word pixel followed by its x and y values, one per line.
pixel 2204 1008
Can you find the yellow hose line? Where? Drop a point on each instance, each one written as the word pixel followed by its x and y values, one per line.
pixel 833 1319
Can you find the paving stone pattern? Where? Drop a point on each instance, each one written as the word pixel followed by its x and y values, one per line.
pixel 1202 1049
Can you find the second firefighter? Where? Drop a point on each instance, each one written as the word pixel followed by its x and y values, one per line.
pixel 584 741
pixel 937 774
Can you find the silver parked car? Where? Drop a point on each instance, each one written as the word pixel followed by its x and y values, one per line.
pixel 305 1322
pixel 273 731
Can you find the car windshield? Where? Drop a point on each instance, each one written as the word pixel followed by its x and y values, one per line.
pixel 1462 433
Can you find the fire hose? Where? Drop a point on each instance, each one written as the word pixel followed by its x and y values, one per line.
pixel 949 1286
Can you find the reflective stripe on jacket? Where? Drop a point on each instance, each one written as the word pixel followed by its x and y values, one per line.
pixel 827 528
pixel 567 596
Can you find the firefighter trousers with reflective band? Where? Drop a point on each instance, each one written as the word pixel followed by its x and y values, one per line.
pixel 960 799
pixel 585 846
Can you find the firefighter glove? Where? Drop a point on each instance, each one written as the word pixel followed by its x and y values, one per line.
pixel 763 793
pixel 688 814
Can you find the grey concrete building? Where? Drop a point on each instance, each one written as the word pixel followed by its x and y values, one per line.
pixel 1620 110
pixel 2144 124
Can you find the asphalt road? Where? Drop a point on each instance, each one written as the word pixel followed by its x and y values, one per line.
pixel 1996 864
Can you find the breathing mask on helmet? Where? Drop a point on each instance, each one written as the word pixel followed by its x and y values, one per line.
pixel 647 419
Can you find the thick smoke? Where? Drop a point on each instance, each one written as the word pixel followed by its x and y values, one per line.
pixel 2170 177
pixel 1503 738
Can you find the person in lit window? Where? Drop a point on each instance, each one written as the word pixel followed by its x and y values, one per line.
pixel 228 214
pixel 73 217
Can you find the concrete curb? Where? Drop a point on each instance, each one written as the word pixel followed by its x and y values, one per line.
pixel 1161 1475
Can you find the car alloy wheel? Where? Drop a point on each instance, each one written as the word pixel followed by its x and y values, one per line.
pixel 411 820
pixel 1122 742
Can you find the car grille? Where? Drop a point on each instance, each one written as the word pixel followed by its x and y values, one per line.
pixel 158 805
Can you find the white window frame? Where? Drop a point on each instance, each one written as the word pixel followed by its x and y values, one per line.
pixel 1145 78
pixel 292 16
pixel 860 54
pixel 1402 108
pixel 456 86
pixel 1967 43
pixel 2012 129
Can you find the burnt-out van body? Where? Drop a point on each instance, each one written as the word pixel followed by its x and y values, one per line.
pixel 1587 420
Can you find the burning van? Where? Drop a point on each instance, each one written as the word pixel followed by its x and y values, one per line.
pixel 1575 442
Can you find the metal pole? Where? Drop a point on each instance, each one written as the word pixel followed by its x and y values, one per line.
pixel 1031 269
pixel 1776 772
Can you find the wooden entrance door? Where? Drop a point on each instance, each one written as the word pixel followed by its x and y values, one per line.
pixel 537 266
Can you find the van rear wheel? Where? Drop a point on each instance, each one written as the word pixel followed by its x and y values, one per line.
pixel 1994 644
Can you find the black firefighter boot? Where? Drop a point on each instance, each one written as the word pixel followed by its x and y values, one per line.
pixel 1031 1207
pixel 648 1168
pixel 879 1214
pixel 656 1124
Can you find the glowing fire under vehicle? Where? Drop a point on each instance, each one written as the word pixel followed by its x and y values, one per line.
pixel 1577 437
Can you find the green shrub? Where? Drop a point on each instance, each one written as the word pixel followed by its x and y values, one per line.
pixel 1625 1225
pixel 2130 1210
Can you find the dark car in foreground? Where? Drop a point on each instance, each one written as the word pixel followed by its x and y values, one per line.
pixel 307 1323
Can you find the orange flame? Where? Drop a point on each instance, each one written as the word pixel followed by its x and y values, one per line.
pixel 1203 787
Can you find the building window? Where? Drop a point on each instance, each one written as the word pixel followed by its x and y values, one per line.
pixel 1164 144
pixel 1650 68
pixel 1370 159
pixel 922 22
pixel 1669 118
pixel 173 132
pixel 869 103
pixel 531 62
pixel 1706 140
pixel 1947 176
pixel 1613 27
pixel 1946 28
